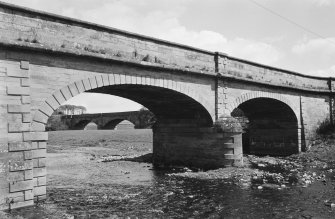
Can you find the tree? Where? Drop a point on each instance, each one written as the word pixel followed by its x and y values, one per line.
pixel 146 118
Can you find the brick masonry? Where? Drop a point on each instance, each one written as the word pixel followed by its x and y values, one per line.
pixel 41 68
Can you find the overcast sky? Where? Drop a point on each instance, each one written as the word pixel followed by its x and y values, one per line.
pixel 241 28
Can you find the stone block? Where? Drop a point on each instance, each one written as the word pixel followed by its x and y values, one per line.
pixel 21 185
pixel 18 127
pixel 28 155
pixel 14 117
pixel 39 153
pixel 17 165
pixel 14 137
pixel 128 79
pixel 24 65
pixel 117 79
pixel 52 102
pixel 93 83
pixel 46 109
pixel 41 171
pixel 25 82
pixel 42 181
pixel 28 174
pixel 111 79
pixel 59 97
pixel 19 146
pixel 26 117
pixel 42 144
pixel 40 117
pixel 37 127
pixel 100 83
pixel 80 86
pixel 25 99
pixel 122 79
pixel 34 145
pixel 35 136
pixel 42 162
pixel 16 176
pixel 66 93
pixel 87 84
pixel 21 204
pixel 73 89
pixel 25 108
pixel 35 182
pixel 105 80
pixel 28 195
pixel 19 73
pixel 40 197
pixel 35 163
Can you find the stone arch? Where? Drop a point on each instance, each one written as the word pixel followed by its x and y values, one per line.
pixel 257 94
pixel 124 124
pixel 278 115
pixel 111 124
pixel 41 115
pixel 80 125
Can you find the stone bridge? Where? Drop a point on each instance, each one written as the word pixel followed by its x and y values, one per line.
pixel 102 120
pixel 46 59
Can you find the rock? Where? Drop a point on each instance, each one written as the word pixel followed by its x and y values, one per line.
pixel 260 187
pixel 270 186
pixel 283 186
pixel 169 193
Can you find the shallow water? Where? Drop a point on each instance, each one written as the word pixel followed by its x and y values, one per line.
pixel 81 187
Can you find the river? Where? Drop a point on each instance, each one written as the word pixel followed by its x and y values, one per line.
pixel 81 186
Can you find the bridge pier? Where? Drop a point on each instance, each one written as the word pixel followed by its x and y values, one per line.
pixel 187 145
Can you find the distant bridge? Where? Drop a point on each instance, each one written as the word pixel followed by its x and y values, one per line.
pixel 102 120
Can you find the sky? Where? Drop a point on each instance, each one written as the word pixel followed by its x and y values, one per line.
pixel 297 35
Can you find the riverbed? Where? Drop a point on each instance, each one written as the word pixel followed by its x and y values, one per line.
pixel 103 174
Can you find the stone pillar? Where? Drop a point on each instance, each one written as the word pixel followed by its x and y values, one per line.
pixel 231 141
pixel 16 180
pixel 192 146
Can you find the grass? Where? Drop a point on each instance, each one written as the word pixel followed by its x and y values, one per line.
pixel 127 141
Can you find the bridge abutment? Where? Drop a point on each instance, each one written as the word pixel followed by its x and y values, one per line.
pixel 22 151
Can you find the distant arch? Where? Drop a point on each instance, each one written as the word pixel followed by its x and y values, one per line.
pixel 124 125
pixel 80 125
pixel 91 126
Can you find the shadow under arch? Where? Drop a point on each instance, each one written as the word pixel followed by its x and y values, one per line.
pixel 270 127
pixel 165 98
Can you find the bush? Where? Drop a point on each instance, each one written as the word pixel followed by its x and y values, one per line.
pixel 326 127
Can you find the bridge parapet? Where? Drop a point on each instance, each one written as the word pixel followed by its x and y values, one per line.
pixel 235 68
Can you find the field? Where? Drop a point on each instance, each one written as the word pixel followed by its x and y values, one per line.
pixel 76 179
